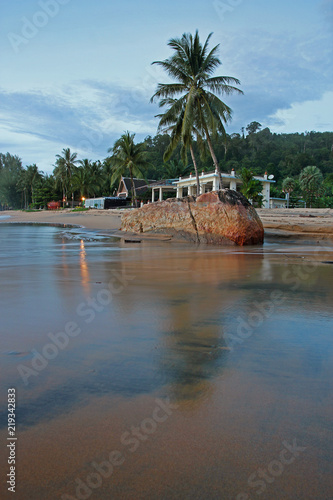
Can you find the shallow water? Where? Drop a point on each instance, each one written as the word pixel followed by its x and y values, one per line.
pixel 98 337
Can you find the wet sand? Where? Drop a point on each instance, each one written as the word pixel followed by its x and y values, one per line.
pixel 295 223
pixel 308 223
pixel 173 334
pixel 109 220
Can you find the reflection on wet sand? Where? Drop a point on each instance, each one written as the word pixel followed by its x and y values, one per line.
pixel 84 269
pixel 166 334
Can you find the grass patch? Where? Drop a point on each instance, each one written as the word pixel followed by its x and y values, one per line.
pixel 80 209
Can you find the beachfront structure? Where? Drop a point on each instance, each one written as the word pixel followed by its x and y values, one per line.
pixel 160 187
pixel 209 181
pixel 125 187
pixel 278 202
pixel 105 202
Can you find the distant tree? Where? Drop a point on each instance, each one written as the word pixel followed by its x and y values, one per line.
pixel 32 175
pixel 66 163
pixel 82 182
pixel 311 183
pixel 87 178
pixel 60 176
pixel 128 156
pixel 329 182
pixel 23 187
pixel 107 185
pixel 10 175
pixel 175 169
pixel 96 172
pixel 44 190
pixel 288 186
pixel 253 127
pixel 251 188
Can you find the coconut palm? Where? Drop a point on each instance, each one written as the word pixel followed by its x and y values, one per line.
pixel 82 182
pixel 60 177
pixel 32 175
pixel 288 186
pixel 174 169
pixel 128 157
pixel 23 186
pixel 311 183
pixel 192 66
pixel 172 122
pixel 66 164
pixel 251 188
pixel 96 172
pixel 88 177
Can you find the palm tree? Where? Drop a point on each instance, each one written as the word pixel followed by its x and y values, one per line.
pixel 175 169
pixel 192 66
pixel 60 177
pixel 127 156
pixel 87 178
pixel 107 173
pixel 31 176
pixel 66 168
pixel 288 186
pixel 311 182
pixel 172 121
pixel 23 186
pixel 96 173
pixel 251 188
pixel 81 182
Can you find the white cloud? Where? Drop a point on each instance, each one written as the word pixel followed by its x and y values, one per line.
pixel 304 116
pixel 85 116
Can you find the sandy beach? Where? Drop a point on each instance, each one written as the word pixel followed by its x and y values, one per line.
pixel 92 219
pixel 302 223
pixel 190 367
pixel 306 223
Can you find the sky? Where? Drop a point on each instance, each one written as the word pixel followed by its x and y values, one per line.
pixel 78 73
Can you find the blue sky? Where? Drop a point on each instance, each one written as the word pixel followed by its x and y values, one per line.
pixel 77 73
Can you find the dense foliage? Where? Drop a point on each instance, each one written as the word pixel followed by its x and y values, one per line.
pixel 283 155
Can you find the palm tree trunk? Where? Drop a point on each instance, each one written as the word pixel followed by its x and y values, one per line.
pixel 217 167
pixel 196 169
pixel 134 200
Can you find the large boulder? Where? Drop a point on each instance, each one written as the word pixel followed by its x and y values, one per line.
pixel 219 217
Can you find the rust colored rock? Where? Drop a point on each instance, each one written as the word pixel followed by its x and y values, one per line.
pixel 218 217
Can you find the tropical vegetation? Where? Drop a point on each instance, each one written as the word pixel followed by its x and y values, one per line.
pixel 128 156
pixel 193 120
pixel 193 106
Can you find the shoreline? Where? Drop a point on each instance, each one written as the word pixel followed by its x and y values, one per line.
pixel 303 224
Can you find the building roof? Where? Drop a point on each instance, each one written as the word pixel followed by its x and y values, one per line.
pixel 224 175
pixel 138 183
pixel 166 183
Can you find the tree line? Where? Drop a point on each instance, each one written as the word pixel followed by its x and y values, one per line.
pixel 191 137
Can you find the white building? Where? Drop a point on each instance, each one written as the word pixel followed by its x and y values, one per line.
pixel 209 181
